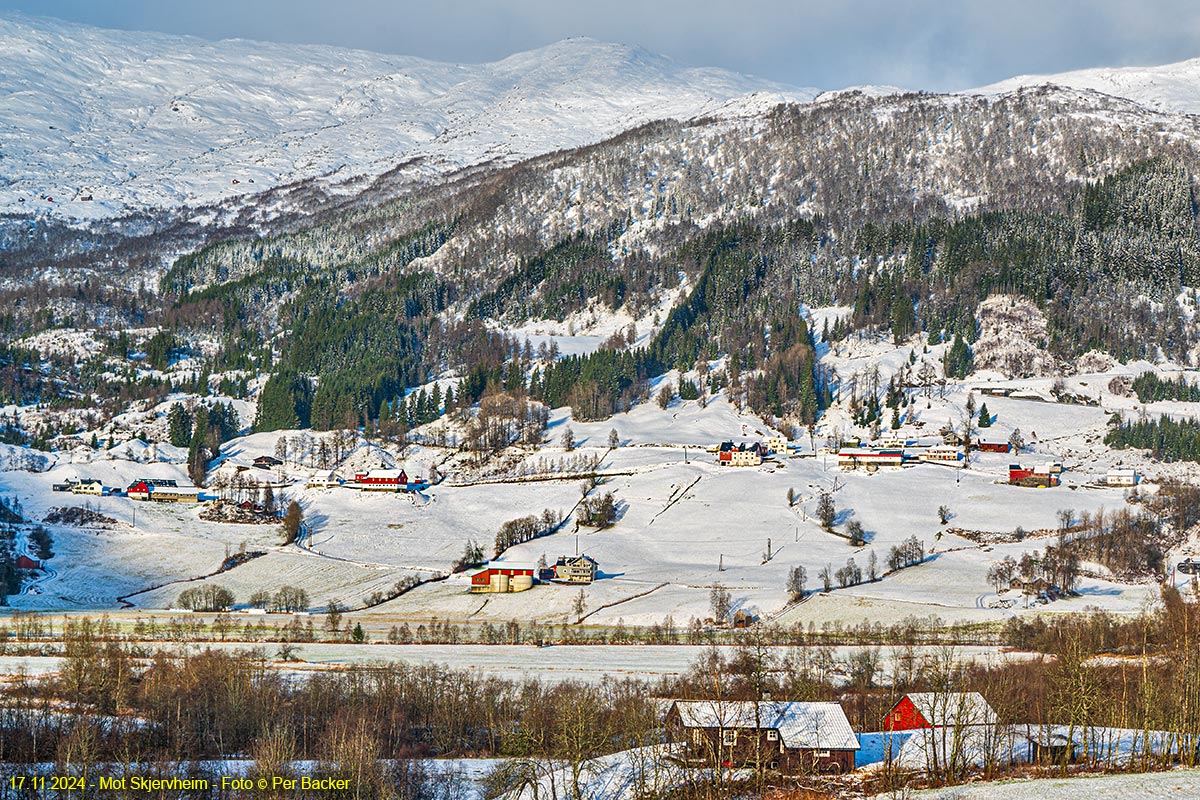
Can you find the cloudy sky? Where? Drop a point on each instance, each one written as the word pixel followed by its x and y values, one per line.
pixel 927 44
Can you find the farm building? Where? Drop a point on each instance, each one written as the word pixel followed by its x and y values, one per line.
pixel 1122 477
pixel 1051 746
pixel 171 494
pixel 993 447
pixel 156 483
pixel 941 455
pixel 267 462
pixel 1042 475
pixel 869 457
pixel 139 490
pixel 380 480
pixel 1032 586
pixel 743 618
pixel 25 562
pixel 499 577
pixel 775 444
pixel 939 710
pixel 575 569
pixel 740 455
pixel 793 738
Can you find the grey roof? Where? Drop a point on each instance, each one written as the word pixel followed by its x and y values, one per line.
pixel 801 726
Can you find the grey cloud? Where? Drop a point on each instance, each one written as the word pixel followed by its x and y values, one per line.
pixel 917 44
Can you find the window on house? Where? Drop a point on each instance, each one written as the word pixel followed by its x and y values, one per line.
pixel 729 738
pixel 772 735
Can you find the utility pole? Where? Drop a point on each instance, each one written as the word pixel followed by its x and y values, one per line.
pixel 768 548
pixel 721 563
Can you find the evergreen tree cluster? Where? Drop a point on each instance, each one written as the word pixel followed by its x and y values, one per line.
pixel 1166 438
pixel 1150 388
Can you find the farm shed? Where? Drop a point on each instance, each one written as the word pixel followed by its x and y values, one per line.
pixel 791 737
pixel 869 457
pixel 938 710
pixel 994 447
pixel 499 577
pixel 170 494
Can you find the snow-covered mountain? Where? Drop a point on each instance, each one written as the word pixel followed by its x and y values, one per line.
pixel 145 120
pixel 1171 88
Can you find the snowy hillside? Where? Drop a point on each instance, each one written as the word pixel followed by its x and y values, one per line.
pixel 1171 88
pixel 136 120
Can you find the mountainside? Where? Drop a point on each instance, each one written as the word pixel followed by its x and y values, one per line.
pixel 1171 88
pixel 143 120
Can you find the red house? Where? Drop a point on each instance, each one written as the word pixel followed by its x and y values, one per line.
pixel 994 447
pixel 25 562
pixel 938 710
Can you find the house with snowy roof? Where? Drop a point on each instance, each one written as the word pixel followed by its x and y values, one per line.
pixel 793 738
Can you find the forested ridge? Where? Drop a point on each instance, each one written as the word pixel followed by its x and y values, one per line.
pixel 911 225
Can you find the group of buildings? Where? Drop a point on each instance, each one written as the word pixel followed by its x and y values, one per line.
pixel 371 480
pixel 749 454
pixel 161 490
pixel 795 738
pixel 806 737
pixel 498 577
pixel 897 453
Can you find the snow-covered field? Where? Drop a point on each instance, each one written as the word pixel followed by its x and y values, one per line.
pixel 1180 784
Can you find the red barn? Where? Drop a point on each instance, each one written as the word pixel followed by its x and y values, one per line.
pixel 25 562
pixel 994 447
pixel 138 491
pixel 1017 473
pixel 938 710
pixel 503 576
pixel 381 480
